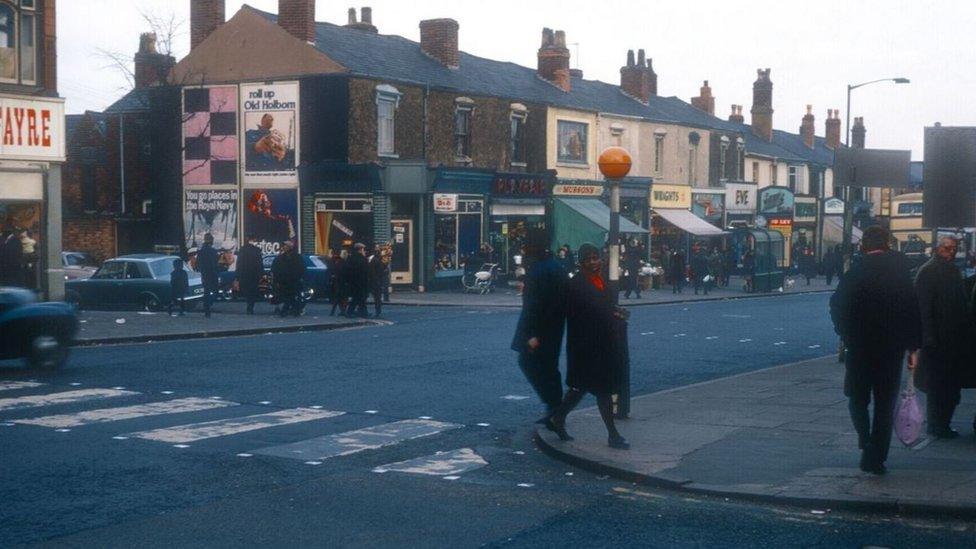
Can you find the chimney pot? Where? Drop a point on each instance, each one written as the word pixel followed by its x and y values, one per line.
pixel 560 39
pixel 640 58
pixel 638 79
pixel 630 58
pixel 553 59
pixel 298 18
pixel 762 106
pixel 704 101
pixel 205 17
pixel 352 16
pixel 151 67
pixel 439 39
pixel 832 129
pixel 366 13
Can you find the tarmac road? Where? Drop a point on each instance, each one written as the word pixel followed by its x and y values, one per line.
pixel 288 453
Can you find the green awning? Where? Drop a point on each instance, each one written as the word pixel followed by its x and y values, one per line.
pixel 599 214
pixel 579 220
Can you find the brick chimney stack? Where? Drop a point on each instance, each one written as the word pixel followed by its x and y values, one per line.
pixel 366 24
pixel 554 59
pixel 858 132
pixel 705 101
pixel 439 39
pixel 832 130
pixel 736 115
pixel 762 106
pixel 637 78
pixel 298 18
pixel 205 16
pixel 50 47
pixel 151 67
pixel 808 128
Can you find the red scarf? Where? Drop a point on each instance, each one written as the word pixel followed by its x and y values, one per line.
pixel 596 280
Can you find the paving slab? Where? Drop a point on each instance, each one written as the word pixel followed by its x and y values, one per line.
pixel 793 443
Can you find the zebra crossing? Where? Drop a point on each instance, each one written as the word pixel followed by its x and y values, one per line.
pixel 313 451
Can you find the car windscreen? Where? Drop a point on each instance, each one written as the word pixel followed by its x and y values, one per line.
pixel 161 267
pixel 110 270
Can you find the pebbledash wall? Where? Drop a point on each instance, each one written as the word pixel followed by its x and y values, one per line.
pixel 32 141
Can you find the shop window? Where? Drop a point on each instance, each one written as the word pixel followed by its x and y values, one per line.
pixel 518 137
pixel 457 236
pixel 27 4
pixel 341 222
pixel 659 150
pixel 8 43
pixel 387 101
pixel 572 142
pixel 463 109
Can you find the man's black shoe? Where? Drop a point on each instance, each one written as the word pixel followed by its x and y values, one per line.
pixel 874 468
pixel 618 442
pixel 558 428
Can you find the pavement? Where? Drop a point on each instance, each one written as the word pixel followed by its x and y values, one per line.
pixel 508 297
pixel 780 435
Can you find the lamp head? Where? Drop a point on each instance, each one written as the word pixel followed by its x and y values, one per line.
pixel 901 80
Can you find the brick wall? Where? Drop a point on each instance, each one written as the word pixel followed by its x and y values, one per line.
pixel 298 18
pixel 95 236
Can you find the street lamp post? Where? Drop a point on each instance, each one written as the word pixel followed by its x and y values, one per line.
pixel 848 209
pixel 615 164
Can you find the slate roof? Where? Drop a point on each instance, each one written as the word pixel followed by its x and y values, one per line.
pixel 397 59
pixel 135 101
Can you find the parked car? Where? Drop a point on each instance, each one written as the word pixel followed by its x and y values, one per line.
pixel 39 332
pixel 141 280
pixel 316 280
pixel 77 265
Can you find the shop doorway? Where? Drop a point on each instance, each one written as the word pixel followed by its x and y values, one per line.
pixel 401 263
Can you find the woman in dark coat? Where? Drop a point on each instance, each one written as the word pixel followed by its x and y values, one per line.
pixel 592 355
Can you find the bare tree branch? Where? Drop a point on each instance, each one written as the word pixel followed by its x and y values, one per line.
pixel 120 63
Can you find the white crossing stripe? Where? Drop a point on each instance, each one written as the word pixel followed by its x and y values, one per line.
pixel 105 415
pixel 12 385
pixel 67 397
pixel 233 426
pixel 351 442
pixel 440 464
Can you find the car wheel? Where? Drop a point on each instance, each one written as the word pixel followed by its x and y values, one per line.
pixel 150 303
pixel 46 352
pixel 73 298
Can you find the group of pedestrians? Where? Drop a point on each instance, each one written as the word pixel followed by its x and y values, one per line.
pixel 356 277
pixel 583 307
pixel 881 315
pixel 18 258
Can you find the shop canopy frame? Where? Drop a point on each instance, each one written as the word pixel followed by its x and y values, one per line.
pixel 689 222
pixel 594 230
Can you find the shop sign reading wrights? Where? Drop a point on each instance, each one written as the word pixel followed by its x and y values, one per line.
pixel 670 197
pixel 31 129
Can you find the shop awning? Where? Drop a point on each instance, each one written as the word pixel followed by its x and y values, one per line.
pixel 834 230
pixel 599 214
pixel 689 222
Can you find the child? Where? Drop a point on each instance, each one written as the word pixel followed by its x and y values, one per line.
pixel 179 284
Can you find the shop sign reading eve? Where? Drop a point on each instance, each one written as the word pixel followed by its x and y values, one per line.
pixel 31 129
pixel 445 202
pixel 741 198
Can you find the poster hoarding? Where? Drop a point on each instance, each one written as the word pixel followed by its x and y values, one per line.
pixel 210 143
pixel 269 118
pixel 271 217
pixel 211 211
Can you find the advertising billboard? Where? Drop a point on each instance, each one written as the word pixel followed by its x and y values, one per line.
pixel 210 144
pixel 31 129
pixel 872 168
pixel 271 217
pixel 211 211
pixel 709 206
pixel 776 201
pixel 269 117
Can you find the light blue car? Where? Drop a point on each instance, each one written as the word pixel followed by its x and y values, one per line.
pixel 140 280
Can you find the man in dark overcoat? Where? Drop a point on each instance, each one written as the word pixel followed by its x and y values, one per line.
pixel 207 265
pixel 876 314
pixel 376 278
pixel 699 269
pixel 356 275
pixel 288 269
pixel 946 332
pixel 677 271
pixel 250 269
pixel 539 333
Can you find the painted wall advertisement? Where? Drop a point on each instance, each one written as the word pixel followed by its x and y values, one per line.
pixel 210 144
pixel 776 201
pixel 210 211
pixel 269 116
pixel 271 217
pixel 709 206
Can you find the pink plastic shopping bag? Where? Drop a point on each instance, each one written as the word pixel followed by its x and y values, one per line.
pixel 909 417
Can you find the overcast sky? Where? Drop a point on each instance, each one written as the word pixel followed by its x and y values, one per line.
pixel 813 49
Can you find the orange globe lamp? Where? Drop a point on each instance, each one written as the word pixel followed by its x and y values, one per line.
pixel 615 162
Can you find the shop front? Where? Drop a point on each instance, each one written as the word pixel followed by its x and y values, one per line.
pixel 740 205
pixel 775 213
pixel 580 216
pixel 31 153
pixel 833 225
pixel 518 205
pixel 673 225
pixel 338 204
pixel 459 205
pixel 806 236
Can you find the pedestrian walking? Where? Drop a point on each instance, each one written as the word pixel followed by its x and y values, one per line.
pixel 375 277
pixel 875 312
pixel 539 332
pixel 592 354
pixel 250 269
pixel 387 257
pixel 677 271
pixel 716 266
pixel 946 332
pixel 699 269
pixel 829 264
pixel 179 286
pixel 337 282
pixel 632 267
pixel 749 270
pixel 356 274
pixel 207 267
pixel 287 271
pixel 808 264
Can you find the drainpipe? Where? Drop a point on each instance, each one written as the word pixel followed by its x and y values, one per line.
pixel 122 161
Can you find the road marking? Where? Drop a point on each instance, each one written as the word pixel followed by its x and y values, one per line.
pixel 440 464
pixel 747 340
pixel 105 415
pixel 813 347
pixel 525 485
pixel 711 337
pixel 166 392
pixel 370 412
pixel 351 442
pixel 778 343
pixel 680 335
pixel 451 477
pixel 647 333
pixel 224 427
pixel 245 455
pixel 514 397
pixel 66 397
pixel 483 424
pixel 14 385
pixel 265 402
